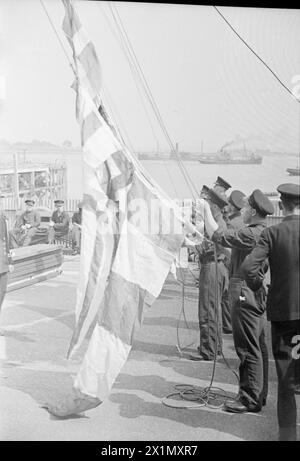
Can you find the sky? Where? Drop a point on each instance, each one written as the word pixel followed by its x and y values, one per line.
pixel 210 89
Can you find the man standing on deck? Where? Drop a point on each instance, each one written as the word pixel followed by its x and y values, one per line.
pixel 234 220
pixel 213 280
pixel 221 186
pixel 236 203
pixel 280 244
pixel 247 306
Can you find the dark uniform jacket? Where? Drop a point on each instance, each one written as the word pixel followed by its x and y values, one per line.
pixel 279 243
pixel 31 217
pixel 61 222
pixel 242 241
pixel 4 245
pixel 207 247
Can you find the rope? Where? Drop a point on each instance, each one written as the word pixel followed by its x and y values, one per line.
pixel 135 77
pixel 209 395
pixel 57 36
pixel 151 99
pixel 258 57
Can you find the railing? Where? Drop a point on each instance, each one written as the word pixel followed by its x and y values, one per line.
pixel 8 205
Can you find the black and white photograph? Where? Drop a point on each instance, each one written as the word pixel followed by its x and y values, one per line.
pixel 149 224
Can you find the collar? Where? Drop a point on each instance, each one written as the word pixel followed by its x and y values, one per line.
pixel 259 223
pixel 235 215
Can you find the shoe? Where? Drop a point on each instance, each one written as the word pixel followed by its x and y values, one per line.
pixel 236 406
pixel 75 403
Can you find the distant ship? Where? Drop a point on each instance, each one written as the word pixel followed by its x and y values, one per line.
pixel 225 157
pixel 293 171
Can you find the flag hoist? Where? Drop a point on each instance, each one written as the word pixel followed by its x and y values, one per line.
pixel 131 235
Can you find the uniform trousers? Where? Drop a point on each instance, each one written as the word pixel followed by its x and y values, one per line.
pixel 226 311
pixel 212 282
pixel 247 309
pixel 19 238
pixel 76 237
pixel 285 337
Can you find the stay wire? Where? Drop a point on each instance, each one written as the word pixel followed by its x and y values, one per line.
pixel 258 57
pixel 119 39
pixel 58 37
pixel 135 76
pixel 153 104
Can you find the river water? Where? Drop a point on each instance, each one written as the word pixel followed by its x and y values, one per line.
pixel 266 176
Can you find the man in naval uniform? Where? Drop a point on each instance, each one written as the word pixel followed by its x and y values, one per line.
pixel 213 280
pixel 280 244
pixel 26 226
pixel 59 224
pixel 234 220
pixel 247 306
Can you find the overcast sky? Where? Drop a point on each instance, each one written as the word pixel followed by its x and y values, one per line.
pixel 208 86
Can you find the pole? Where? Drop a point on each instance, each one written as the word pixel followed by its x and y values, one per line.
pixel 16 181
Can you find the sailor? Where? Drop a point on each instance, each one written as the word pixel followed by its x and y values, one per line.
pixel 247 306
pixel 221 186
pixel 234 220
pixel 203 192
pixel 26 226
pixel 76 229
pixel 236 203
pixel 213 280
pixel 59 223
pixel 280 244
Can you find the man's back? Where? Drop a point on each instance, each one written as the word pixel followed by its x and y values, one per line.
pixel 280 243
pixel 284 267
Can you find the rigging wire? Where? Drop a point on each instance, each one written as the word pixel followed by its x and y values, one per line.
pixel 156 110
pixel 152 102
pixel 260 59
pixel 115 116
pixel 58 37
pixel 135 76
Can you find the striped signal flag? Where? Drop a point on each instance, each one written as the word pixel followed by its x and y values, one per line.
pixel 123 265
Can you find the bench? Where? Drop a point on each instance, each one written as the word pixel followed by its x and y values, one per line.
pixel 33 264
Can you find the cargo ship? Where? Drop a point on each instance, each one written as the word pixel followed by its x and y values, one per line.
pixel 228 158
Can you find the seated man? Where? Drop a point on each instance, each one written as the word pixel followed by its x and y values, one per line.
pixel 76 229
pixel 59 223
pixel 25 227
